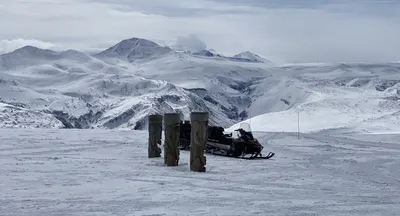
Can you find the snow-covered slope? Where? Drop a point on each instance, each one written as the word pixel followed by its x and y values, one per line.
pixel 120 86
pixel 13 116
pixel 352 97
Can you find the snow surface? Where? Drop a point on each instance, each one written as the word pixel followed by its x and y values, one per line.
pixel 107 172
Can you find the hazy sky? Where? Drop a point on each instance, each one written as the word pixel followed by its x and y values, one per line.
pixel 283 31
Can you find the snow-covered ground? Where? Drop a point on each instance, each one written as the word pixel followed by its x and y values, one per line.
pixel 107 172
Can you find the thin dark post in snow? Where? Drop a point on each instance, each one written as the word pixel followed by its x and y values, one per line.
pixel 155 133
pixel 298 124
pixel 250 122
pixel 171 132
pixel 198 139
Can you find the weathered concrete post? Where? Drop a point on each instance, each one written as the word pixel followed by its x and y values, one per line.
pixel 198 139
pixel 172 123
pixel 155 133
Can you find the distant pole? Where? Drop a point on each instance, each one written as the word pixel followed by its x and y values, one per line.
pixel 155 133
pixel 172 123
pixel 298 124
pixel 198 139
pixel 250 121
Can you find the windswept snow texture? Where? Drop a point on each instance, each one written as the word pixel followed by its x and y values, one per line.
pixel 120 86
pixel 107 172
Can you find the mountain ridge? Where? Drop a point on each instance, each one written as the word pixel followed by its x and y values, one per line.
pixel 120 87
pixel 135 48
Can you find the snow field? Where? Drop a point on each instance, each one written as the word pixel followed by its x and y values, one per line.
pixel 107 172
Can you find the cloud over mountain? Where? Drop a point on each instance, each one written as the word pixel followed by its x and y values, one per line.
pixel 190 43
pixel 285 31
pixel 13 44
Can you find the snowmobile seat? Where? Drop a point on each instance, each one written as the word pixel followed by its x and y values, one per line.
pixel 249 135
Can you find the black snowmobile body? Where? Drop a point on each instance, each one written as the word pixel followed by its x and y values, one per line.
pixel 219 143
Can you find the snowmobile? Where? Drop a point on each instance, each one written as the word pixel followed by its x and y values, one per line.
pixel 219 143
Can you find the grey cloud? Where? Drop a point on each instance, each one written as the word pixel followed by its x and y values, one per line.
pixel 176 8
pixel 11 45
pixel 190 43
pixel 332 32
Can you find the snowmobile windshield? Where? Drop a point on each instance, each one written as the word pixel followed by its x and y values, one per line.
pixel 246 135
pixel 245 126
pixel 244 131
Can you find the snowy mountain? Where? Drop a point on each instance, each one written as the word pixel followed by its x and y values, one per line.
pixel 205 53
pixel 249 56
pixel 120 86
pixel 135 48
pixel 241 57
pixel 29 55
pixel 82 91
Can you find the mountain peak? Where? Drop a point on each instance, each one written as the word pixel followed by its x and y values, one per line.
pixel 204 53
pixel 135 48
pixel 250 56
pixel 31 50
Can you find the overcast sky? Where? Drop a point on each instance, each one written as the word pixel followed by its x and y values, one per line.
pixel 280 30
